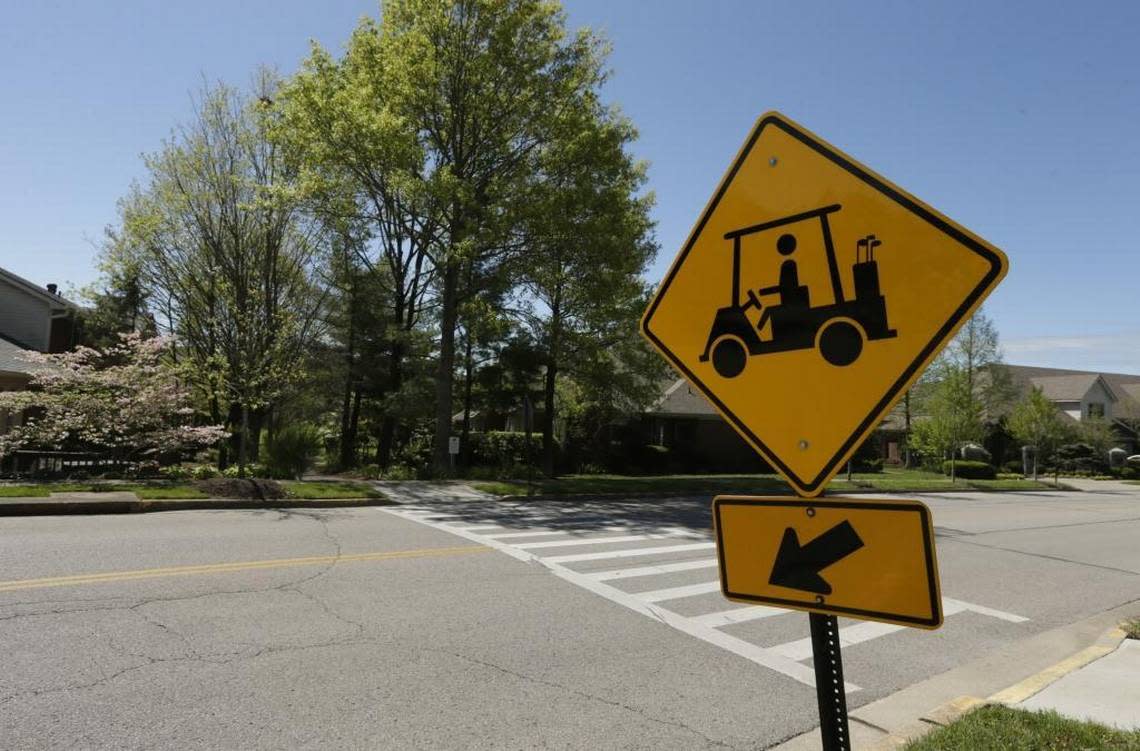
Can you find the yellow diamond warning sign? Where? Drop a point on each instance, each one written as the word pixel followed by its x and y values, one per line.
pixel 860 558
pixel 809 296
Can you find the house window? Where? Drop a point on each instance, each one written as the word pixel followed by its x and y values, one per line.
pixel 1096 409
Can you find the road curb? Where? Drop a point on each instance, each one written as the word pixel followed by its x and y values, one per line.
pixel 61 508
pixel 1012 695
pixel 782 492
pixel 1022 690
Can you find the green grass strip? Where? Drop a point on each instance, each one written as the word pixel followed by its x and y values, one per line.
pixel 1000 727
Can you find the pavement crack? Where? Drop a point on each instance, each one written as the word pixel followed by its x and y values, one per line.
pixel 1045 556
pixel 591 697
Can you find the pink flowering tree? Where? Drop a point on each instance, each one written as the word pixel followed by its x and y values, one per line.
pixel 125 401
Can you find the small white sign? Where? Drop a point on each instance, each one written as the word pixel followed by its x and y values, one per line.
pixel 453 444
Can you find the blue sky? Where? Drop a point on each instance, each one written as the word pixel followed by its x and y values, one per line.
pixel 1017 119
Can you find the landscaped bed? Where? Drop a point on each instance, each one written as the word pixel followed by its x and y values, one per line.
pixel 890 480
pixel 302 490
pixel 999 727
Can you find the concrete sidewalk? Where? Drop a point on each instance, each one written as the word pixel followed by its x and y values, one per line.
pixel 1105 691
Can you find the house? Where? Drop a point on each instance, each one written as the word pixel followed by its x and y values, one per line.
pixel 687 424
pixel 1085 394
pixel 32 319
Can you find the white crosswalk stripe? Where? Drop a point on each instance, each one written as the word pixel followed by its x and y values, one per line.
pixel 664 568
pixel 676 593
pixel 738 615
pixel 632 552
pixel 532 545
pixel 570 541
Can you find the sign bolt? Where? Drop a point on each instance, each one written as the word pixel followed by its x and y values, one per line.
pixel 810 511
pixel 772 161
pixel 803 444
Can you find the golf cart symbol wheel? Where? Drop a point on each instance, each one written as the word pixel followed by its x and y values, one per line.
pixel 841 342
pixel 729 356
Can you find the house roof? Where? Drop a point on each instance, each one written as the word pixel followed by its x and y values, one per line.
pixel 681 400
pixel 11 358
pixel 1066 388
pixel 1124 387
pixel 57 302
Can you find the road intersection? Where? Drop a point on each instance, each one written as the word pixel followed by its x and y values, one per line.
pixel 458 621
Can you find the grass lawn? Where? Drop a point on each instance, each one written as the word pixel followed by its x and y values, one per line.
pixel 142 490
pixel 893 480
pixel 183 491
pixel 330 490
pixel 999 727
pixel 1131 628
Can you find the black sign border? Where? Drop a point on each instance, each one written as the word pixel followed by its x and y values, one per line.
pixel 877 412
pixel 918 507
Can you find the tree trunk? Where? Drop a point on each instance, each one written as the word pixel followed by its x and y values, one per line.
pixel 243 445
pixel 906 429
pixel 347 439
pixel 257 423
pixel 468 377
pixel 445 373
pixel 347 428
pixel 354 426
pixel 385 441
pixel 548 458
pixel 223 447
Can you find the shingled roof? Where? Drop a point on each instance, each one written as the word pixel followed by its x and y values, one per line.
pixel 1064 385
pixel 682 400
pixel 11 358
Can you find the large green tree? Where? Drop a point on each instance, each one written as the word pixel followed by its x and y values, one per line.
pixel 588 240
pixel 219 240
pixel 362 161
pixel 483 84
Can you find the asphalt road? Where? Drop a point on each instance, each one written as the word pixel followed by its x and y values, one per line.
pixel 464 624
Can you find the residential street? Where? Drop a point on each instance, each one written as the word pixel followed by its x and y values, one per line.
pixel 453 621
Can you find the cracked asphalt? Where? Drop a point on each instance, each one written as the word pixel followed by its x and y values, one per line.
pixel 449 651
pixel 354 628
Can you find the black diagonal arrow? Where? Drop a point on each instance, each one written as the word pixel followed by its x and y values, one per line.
pixel 798 567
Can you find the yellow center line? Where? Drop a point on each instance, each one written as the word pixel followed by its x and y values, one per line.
pixel 224 568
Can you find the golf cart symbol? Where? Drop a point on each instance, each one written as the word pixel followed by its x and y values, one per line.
pixel 838 329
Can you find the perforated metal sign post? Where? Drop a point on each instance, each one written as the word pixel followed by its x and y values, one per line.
pixel 810 295
pixel 870 559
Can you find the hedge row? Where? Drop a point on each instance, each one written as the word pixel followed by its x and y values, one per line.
pixel 970 470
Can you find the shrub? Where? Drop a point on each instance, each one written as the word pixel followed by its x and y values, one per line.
pixel 370 471
pixel 292 451
pixel 177 472
pixel 417 454
pixel 1079 458
pixel 401 472
pixel 204 472
pixel 506 450
pixel 969 470
pixel 975 453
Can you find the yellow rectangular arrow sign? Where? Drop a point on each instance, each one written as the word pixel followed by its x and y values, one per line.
pixel 866 559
